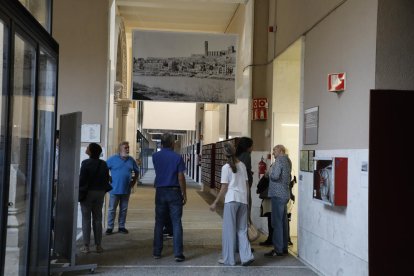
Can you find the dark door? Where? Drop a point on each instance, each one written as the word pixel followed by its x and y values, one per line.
pixel 391 184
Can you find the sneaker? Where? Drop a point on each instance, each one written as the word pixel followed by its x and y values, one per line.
pixel 180 258
pixel 99 249
pixel 123 230
pixel 109 231
pixel 85 249
pixel 220 261
pixel 156 257
pixel 272 253
pixel 249 262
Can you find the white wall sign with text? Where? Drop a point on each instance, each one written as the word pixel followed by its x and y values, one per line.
pixel 91 133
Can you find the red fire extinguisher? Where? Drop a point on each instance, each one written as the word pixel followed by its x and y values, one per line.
pixel 262 167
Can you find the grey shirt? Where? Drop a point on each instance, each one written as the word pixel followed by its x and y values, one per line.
pixel 280 177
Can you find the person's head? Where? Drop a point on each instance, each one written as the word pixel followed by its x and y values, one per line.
pixel 230 153
pixel 167 140
pixel 124 148
pixel 94 150
pixel 244 144
pixel 279 150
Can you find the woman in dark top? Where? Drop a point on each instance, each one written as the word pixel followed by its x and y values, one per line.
pixel 243 151
pixel 93 184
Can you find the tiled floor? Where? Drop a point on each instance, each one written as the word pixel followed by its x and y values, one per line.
pixel 131 254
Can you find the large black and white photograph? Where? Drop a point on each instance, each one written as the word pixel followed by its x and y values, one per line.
pixel 183 67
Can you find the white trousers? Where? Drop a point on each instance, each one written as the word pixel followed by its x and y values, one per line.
pixel 235 233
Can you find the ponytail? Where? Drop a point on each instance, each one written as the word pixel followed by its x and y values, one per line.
pixel 230 152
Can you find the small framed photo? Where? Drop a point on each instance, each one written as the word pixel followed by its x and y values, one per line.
pixel 304 160
pixel 91 133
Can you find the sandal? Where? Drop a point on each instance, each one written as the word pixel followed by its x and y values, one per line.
pixel 85 249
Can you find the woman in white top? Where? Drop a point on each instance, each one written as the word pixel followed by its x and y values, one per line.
pixel 235 187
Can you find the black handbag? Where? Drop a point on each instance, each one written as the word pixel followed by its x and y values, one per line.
pixel 263 187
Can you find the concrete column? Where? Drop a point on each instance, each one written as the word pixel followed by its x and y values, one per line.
pixel 123 105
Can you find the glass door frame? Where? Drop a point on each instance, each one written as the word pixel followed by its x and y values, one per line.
pixel 18 20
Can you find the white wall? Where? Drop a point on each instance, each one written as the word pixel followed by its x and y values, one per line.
pixel 83 59
pixel 165 115
pixel 210 124
pixel 305 14
pixel 287 80
pixel 335 240
pixel 395 44
pixel 239 118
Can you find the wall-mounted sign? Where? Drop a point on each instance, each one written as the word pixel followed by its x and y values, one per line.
pixel 260 109
pixel 336 82
pixel 311 121
pixel 91 133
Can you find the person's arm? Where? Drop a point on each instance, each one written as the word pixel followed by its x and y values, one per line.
pixel 83 177
pixel 223 191
pixel 183 186
pixel 276 170
pixel 135 169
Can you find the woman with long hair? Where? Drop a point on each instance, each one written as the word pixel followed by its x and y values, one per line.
pixel 235 188
pixel 243 153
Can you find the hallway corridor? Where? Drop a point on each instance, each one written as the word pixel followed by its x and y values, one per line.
pixel 131 254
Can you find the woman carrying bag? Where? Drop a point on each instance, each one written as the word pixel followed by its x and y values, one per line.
pixel 235 188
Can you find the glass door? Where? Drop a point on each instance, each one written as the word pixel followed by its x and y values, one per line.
pixel 41 223
pixel 21 125
pixel 28 74
pixel 3 131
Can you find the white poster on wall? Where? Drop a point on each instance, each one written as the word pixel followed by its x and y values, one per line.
pixel 91 133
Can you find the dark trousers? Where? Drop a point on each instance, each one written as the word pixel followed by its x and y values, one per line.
pixel 269 226
pixel 168 203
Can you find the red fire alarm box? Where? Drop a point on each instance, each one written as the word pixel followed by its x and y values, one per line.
pixel 260 109
pixel 330 180
pixel 336 82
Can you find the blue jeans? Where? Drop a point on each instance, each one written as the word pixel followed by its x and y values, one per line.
pixel 280 224
pixel 114 200
pixel 168 202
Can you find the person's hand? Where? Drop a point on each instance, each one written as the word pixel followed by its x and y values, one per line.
pixel 213 207
pixel 132 184
pixel 184 199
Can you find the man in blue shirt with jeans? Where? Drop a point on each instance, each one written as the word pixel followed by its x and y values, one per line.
pixel 121 166
pixel 170 195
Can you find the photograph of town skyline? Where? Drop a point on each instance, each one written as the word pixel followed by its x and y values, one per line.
pixel 183 67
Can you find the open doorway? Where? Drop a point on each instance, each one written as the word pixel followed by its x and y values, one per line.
pixel 287 83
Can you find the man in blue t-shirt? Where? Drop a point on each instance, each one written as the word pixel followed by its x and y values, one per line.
pixel 170 196
pixel 121 166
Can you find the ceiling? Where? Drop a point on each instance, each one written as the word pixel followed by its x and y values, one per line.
pixel 179 15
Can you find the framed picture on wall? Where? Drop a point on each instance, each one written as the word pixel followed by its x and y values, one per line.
pixel 91 133
pixel 311 121
pixel 304 160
